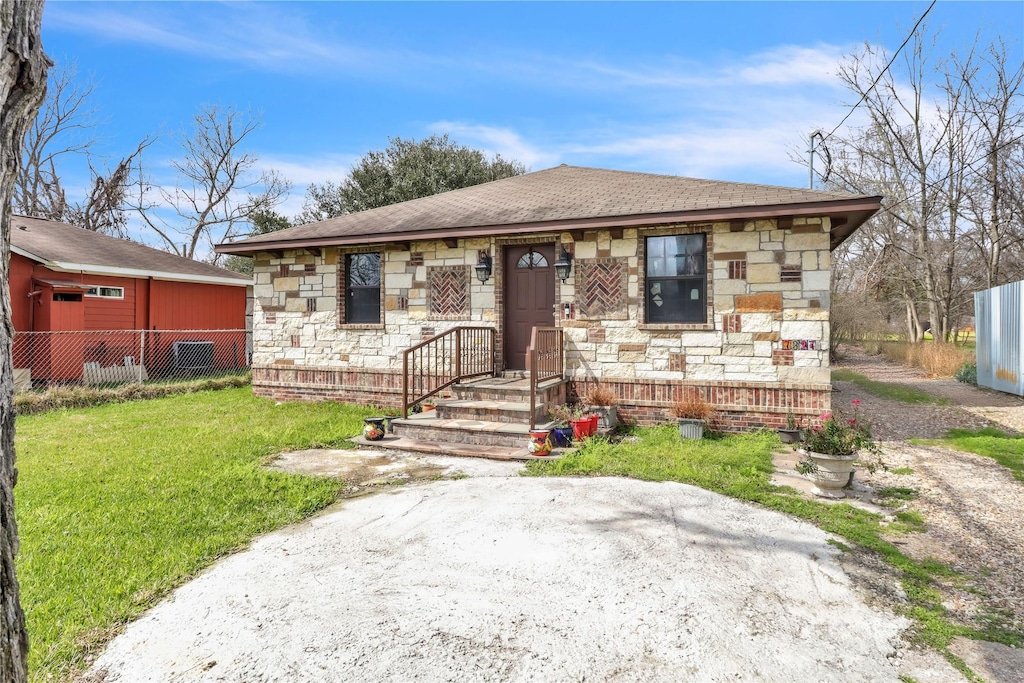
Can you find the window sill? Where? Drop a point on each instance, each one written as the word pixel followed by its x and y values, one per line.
pixel 360 326
pixel 673 327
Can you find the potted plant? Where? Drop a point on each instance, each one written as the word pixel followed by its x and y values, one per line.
pixel 582 424
pixel 790 433
pixel 834 447
pixel 373 428
pixel 693 415
pixel 603 401
pixel 562 431
pixel 540 442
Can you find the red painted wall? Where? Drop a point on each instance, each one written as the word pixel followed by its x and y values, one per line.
pixel 194 306
pixel 147 304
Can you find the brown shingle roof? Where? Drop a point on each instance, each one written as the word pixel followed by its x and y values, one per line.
pixel 71 248
pixel 560 196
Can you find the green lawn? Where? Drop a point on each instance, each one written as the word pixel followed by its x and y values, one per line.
pixel 893 392
pixel 740 466
pixel 118 504
pixel 1007 450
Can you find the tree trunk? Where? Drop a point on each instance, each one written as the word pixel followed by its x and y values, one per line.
pixel 23 67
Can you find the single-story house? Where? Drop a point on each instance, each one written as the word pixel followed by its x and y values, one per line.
pixel 658 287
pixel 65 279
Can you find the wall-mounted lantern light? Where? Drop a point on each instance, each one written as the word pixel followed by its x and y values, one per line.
pixel 563 266
pixel 483 267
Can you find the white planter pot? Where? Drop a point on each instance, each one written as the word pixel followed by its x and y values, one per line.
pixel 691 429
pixel 832 473
pixel 607 416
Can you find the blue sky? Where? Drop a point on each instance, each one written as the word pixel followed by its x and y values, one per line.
pixel 719 90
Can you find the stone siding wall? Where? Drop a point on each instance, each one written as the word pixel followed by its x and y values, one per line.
pixel 762 351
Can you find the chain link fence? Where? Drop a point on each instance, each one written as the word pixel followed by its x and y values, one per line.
pixel 112 357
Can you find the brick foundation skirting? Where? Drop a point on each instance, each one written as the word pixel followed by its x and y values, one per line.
pixel 739 406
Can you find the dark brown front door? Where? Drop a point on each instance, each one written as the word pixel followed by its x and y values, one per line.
pixel 529 298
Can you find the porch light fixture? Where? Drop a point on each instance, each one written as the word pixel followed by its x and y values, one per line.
pixel 483 267
pixel 563 266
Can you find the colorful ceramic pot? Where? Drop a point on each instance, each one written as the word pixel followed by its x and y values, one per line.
pixel 562 436
pixel 373 428
pixel 540 442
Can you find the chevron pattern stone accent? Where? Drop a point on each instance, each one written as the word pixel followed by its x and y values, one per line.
pixel 449 293
pixel 601 288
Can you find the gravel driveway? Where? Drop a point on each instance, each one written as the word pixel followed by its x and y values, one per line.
pixel 507 578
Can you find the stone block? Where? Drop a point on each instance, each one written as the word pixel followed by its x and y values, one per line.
pixel 704 371
pixel 817 280
pixel 809 260
pixel 795 375
pixel 756 303
pixel 804 242
pixel 724 303
pixel 730 287
pixel 623 248
pixel 737 241
pixel 762 273
pixel 801 329
pixel 586 250
pixel 295 305
pixel 286 284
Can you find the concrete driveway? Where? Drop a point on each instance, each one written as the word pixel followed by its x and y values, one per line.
pixel 505 578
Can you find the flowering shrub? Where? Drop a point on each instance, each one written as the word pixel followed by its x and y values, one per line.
pixel 845 434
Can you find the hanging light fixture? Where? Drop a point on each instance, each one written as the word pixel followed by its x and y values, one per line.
pixel 483 267
pixel 563 266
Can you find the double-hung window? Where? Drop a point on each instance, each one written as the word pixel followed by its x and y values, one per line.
pixel 362 288
pixel 676 279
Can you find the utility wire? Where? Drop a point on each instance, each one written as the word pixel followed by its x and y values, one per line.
pixel 882 73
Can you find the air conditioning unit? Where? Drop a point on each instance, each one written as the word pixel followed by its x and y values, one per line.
pixel 192 355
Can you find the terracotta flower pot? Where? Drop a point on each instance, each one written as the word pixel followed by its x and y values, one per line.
pixel 593 423
pixel 581 428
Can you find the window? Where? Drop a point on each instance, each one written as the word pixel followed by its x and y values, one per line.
pixel 532 259
pixel 105 292
pixel 676 283
pixel 362 288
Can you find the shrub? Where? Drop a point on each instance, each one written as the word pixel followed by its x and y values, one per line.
pixel 83 397
pixel 692 408
pixel 600 395
pixel 968 374
pixel 938 359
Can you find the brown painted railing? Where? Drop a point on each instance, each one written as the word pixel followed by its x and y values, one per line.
pixel 546 354
pixel 441 361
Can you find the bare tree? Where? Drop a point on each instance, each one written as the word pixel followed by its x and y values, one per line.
pixel 64 129
pixel 23 67
pixel 217 190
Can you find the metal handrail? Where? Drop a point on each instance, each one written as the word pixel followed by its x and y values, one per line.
pixel 546 361
pixel 439 362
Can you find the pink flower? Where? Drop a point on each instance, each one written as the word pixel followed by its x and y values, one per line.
pixel 855 401
pixel 825 416
pixel 851 422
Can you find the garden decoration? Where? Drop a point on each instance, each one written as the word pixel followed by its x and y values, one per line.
pixel 540 442
pixel 373 428
pixel 834 447
pixel 693 415
pixel 790 433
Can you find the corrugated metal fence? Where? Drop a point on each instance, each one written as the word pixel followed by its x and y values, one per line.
pixel 999 324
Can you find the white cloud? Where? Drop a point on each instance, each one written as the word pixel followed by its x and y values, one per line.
pixel 495 140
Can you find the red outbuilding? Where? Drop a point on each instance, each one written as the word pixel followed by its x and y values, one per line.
pixel 66 279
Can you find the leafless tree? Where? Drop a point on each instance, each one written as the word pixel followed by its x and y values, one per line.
pixel 23 67
pixel 64 129
pixel 942 142
pixel 217 189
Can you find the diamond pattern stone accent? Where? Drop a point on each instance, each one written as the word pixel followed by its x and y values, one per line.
pixel 449 293
pixel 601 288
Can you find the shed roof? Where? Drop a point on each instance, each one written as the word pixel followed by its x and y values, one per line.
pixel 64 247
pixel 565 198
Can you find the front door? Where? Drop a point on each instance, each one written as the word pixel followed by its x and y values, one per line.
pixel 529 298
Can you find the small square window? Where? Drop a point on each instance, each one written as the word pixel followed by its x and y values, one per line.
pixel 676 279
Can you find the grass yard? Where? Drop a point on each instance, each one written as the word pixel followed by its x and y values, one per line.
pixel 1007 450
pixel 740 466
pixel 119 504
pixel 893 392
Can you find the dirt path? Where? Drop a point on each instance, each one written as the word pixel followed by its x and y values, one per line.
pixel 973 507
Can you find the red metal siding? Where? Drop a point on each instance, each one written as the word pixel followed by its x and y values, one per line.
pixel 110 314
pixel 193 306
pixel 21 285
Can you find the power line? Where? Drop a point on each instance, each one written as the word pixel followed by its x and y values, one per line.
pixel 882 72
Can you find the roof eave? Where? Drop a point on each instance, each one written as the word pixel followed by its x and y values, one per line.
pixel 859 205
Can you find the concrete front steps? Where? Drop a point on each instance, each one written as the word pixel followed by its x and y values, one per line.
pixel 483 415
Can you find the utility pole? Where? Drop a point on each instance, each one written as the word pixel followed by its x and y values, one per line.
pixel 810 177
